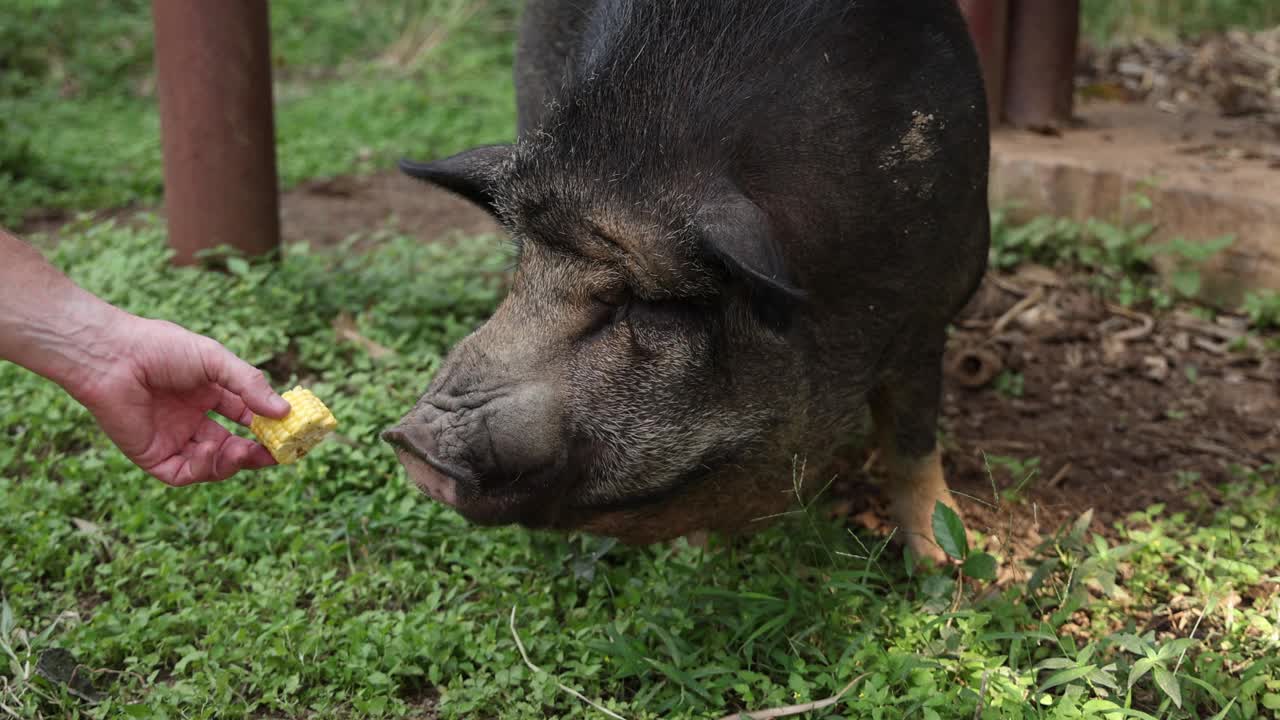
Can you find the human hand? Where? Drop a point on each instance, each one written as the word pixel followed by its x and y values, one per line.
pixel 152 397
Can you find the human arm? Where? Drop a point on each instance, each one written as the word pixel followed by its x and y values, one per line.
pixel 148 383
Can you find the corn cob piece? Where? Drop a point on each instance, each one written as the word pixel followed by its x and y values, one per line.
pixel 293 436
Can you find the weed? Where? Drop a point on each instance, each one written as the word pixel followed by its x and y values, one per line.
pixel 1020 471
pixel 1120 259
pixel 1010 383
pixel 1262 307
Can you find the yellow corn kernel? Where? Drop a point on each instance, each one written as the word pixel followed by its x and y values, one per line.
pixel 293 436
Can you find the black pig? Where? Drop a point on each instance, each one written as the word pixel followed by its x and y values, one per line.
pixel 743 229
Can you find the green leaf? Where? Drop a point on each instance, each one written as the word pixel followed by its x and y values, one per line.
pixel 1129 642
pixel 1097 706
pixel 187 659
pixel 1176 646
pixel 1169 684
pixel 1186 282
pixel 1112 237
pixel 1223 713
pixel 680 677
pixel 1086 653
pixel 1271 701
pixel 981 566
pixel 1140 668
pixel 1081 526
pixel 1055 663
pixel 1141 201
pixel 1041 574
pixel 238 266
pixel 1105 677
pixel 1063 677
pixel 6 619
pixel 948 529
pixel 1141 231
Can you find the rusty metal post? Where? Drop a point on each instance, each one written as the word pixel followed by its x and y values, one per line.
pixel 1040 69
pixel 213 61
pixel 988 23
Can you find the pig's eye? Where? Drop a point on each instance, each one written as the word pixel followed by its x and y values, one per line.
pixel 614 297
pixel 609 308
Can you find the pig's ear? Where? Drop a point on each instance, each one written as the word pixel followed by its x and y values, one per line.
pixel 467 173
pixel 738 234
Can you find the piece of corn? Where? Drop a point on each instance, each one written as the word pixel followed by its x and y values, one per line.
pixel 293 436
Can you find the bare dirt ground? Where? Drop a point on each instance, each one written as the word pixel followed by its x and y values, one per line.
pixel 325 212
pixel 1121 410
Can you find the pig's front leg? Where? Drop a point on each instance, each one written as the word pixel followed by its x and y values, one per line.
pixel 905 411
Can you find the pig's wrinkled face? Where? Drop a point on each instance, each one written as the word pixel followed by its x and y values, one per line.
pixel 622 387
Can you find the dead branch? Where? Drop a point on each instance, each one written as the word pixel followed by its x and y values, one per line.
pixel 1023 305
pixel 795 709
pixel 559 684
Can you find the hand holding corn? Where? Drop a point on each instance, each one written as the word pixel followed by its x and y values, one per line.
pixel 150 384
pixel 153 393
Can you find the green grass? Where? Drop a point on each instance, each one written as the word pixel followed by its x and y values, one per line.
pixel 1107 20
pixel 331 589
pixel 356 89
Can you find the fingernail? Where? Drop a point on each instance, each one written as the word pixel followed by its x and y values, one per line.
pixel 281 405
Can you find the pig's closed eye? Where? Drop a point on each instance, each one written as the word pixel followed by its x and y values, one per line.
pixel 608 309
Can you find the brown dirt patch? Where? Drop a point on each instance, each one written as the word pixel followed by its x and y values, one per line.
pixel 1122 410
pixel 326 212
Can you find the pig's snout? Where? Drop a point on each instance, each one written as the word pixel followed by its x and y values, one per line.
pixel 416 450
pixel 490 457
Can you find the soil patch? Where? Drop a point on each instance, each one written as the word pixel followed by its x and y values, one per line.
pixel 1116 409
pixel 326 212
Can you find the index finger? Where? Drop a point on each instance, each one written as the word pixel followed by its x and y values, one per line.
pixel 242 379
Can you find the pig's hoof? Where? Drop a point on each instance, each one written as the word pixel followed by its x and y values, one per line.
pixel 919 538
pixel 922 546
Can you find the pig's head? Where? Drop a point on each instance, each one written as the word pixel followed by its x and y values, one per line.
pixel 639 380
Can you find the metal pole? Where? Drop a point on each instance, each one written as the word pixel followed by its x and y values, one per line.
pixel 213 61
pixel 1040 70
pixel 988 23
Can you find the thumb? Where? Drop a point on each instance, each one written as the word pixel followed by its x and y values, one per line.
pixel 248 382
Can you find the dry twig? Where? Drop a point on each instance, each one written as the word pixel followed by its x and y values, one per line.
pixel 1144 329
pixel 1008 286
pixel 1023 305
pixel 795 709
pixel 1059 476
pixel 559 684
